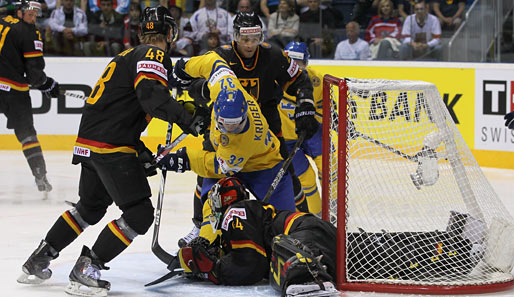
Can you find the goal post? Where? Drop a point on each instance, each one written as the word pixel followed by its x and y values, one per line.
pixel 413 210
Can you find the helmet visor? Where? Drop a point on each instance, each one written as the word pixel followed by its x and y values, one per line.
pixel 231 125
pixel 251 36
pixel 214 202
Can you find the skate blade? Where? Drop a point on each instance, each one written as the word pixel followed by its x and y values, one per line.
pixel 29 279
pixel 78 289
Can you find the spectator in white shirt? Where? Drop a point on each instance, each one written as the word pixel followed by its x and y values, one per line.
pixel 352 48
pixel 68 24
pixel 210 18
pixel 421 35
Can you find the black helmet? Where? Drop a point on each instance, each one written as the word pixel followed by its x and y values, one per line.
pixel 158 20
pixel 247 23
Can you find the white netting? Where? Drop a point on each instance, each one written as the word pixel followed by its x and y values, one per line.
pixel 418 208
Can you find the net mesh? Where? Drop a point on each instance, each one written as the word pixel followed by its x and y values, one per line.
pixel 418 209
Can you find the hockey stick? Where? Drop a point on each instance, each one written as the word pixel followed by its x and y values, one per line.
pixel 70 94
pixel 284 167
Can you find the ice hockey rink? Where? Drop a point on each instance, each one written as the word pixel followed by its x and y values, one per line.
pixel 26 217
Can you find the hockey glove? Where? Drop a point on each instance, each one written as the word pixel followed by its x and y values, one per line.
pixel 179 78
pixel 199 91
pixel 50 87
pixel 199 260
pixel 509 120
pixel 177 161
pixel 304 118
pixel 146 157
pixel 200 121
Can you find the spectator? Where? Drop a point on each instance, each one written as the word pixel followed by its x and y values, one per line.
pixel 213 41
pixel 421 32
pixel 131 27
pixel 232 6
pixel 105 28
pixel 405 8
pixel 268 7
pixel 210 19
pixel 283 24
pixel 449 13
pixel 7 7
pixel 184 44
pixel 120 6
pixel 153 3
pixel 68 25
pixel 353 48
pixel 363 10
pixel 314 23
pixel 245 6
pixel 383 33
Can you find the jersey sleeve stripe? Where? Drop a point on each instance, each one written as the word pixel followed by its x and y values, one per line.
pixel 241 244
pixel 33 54
pixel 290 220
pixel 14 85
pixel 150 76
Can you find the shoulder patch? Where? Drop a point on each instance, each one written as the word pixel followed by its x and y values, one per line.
pixel 152 67
pixel 229 216
pixel 224 140
pixel 265 45
pixel 315 81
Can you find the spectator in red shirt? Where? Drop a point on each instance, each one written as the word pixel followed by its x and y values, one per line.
pixel 383 33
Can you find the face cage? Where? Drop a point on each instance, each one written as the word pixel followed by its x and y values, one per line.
pixel 237 36
pixel 215 204
pixel 221 125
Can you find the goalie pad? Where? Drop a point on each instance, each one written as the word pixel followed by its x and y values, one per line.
pixel 293 263
pixel 500 245
pixel 417 255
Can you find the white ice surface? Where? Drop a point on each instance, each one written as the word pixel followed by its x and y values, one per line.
pixel 26 217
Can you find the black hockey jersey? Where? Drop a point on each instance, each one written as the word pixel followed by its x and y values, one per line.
pixel 248 228
pixel 132 89
pixel 21 55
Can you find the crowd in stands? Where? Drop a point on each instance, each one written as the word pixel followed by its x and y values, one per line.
pixel 373 29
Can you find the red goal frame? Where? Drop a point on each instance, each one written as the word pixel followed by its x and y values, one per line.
pixel 330 81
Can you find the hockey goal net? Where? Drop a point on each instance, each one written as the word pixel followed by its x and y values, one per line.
pixel 413 209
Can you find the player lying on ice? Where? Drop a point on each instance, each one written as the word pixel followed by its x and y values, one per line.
pixel 300 246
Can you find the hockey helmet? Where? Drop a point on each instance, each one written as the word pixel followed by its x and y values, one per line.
pixel 158 20
pixel 25 5
pixel 224 193
pixel 298 51
pixel 249 24
pixel 230 111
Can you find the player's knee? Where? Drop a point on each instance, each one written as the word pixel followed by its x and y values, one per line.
pixel 89 214
pixel 139 216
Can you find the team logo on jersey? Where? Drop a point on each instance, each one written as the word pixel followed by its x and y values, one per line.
pixel 251 85
pixel 81 151
pixel 233 212
pixel 153 67
pixel 224 140
pixel 38 45
pixel 315 81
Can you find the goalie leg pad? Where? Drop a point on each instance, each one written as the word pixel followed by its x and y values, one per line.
pixel 293 263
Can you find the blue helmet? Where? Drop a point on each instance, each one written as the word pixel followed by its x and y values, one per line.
pixel 298 51
pixel 230 111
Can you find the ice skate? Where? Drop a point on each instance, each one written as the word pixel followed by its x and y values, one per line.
pixel 85 276
pixel 311 289
pixel 43 185
pixel 35 269
pixel 184 241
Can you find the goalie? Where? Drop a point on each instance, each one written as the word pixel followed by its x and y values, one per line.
pixel 300 246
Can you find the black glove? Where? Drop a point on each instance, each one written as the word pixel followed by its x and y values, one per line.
pixel 200 121
pixel 176 161
pixel 146 157
pixel 509 120
pixel 50 87
pixel 200 92
pixel 178 78
pixel 304 118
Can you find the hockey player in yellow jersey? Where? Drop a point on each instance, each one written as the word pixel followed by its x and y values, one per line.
pixel 243 144
pixel 310 147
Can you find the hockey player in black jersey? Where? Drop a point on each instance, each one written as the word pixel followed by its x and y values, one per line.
pixel 259 66
pixel 22 65
pixel 300 247
pixel 132 90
